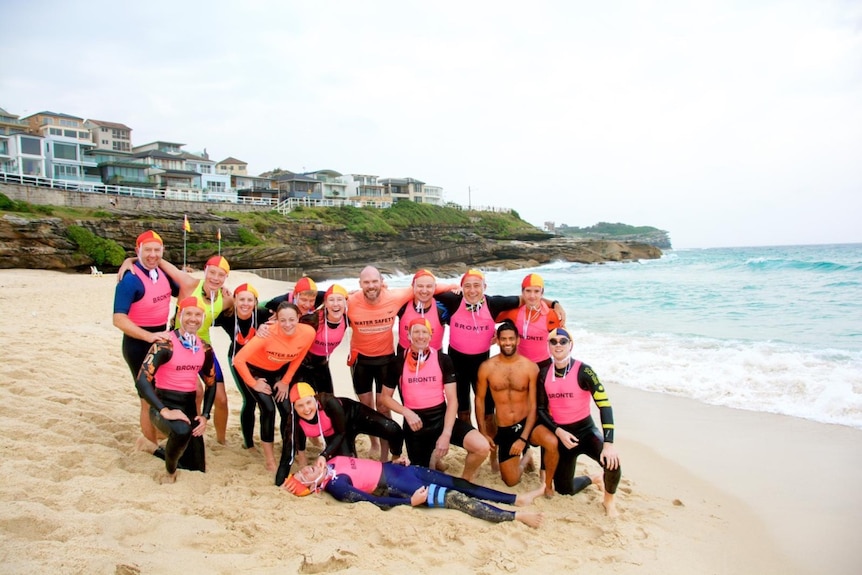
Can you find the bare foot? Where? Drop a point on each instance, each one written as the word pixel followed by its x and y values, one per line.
pixel 222 441
pixel 270 464
pixel 549 491
pixel 145 445
pixel 523 499
pixel 529 518
pixel 598 480
pixel 168 478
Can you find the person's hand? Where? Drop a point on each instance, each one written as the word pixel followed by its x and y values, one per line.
pixel 280 391
pixel 174 415
pixel 262 330
pixel 127 266
pixel 568 440
pixel 158 336
pixel 402 460
pixel 441 448
pixel 609 458
pixel 412 419
pixel 561 313
pixel 490 440
pixel 201 427
pixel 518 448
pixel 419 496
pixel 226 293
pixel 261 386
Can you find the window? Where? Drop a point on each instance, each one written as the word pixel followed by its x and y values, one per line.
pixel 65 151
pixel 64 171
pixel 32 167
pixel 120 146
pixel 104 130
pixel 31 146
pixel 55 131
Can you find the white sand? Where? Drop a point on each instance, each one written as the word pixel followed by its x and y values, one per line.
pixel 705 490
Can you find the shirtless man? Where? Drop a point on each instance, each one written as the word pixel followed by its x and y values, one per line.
pixel 511 378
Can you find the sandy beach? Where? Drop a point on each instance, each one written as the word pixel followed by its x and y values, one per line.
pixel 705 489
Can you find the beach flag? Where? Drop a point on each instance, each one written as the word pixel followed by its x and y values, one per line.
pixel 186 226
pixel 218 235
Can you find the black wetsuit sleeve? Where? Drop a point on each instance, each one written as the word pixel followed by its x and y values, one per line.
pixel 160 353
pixel 208 375
pixel 497 304
pixel 589 381
pixel 442 313
pixel 341 487
pixel 273 304
pixel 332 407
pixel 450 301
pixel 447 367
pixel 542 412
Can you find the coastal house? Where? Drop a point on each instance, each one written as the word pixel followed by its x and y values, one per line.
pixel 216 187
pixel 400 189
pixel 297 186
pixel 332 184
pixel 20 153
pixel 110 135
pixel 167 168
pixel 121 168
pixel 65 143
pixel 255 189
pixel 232 167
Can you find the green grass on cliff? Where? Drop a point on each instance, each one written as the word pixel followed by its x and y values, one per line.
pixel 405 214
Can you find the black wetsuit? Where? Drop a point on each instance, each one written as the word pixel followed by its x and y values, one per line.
pixel 590 439
pixel 182 449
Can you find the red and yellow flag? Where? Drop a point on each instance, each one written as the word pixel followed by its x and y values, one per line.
pixel 186 226
pixel 218 235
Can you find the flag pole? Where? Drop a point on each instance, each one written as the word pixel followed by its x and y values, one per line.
pixel 185 231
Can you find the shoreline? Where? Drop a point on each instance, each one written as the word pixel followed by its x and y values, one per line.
pixel 705 489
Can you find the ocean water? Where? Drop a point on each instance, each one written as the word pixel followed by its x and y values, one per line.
pixel 773 329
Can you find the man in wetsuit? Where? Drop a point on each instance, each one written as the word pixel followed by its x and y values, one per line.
pixel 388 484
pixel 565 392
pixel 426 379
pixel 142 303
pixel 168 381
pixel 510 378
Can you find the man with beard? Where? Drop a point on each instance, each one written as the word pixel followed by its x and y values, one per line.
pixel 371 313
pixel 511 378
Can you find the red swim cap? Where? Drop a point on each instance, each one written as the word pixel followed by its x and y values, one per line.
pixel 219 261
pixel 148 236
pixel 304 284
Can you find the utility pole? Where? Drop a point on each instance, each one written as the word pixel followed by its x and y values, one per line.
pixel 469 199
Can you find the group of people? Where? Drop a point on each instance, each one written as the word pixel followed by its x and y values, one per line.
pixel 533 393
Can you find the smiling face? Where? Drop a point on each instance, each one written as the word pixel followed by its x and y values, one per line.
pixel 305 301
pixel 420 337
pixel 561 348
pixel 288 319
pixel 150 254
pixel 474 290
pixel 507 339
pixel 214 278
pixel 245 304
pixel 423 289
pixel 335 306
pixel 191 319
pixel 306 407
pixel 370 283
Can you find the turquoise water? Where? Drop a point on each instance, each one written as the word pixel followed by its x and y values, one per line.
pixel 775 329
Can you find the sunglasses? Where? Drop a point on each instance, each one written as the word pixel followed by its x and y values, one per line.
pixel 561 341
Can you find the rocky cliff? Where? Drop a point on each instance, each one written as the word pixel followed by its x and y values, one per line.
pixel 318 250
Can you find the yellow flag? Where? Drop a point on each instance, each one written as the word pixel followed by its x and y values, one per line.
pixel 186 226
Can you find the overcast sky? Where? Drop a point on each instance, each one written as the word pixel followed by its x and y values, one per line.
pixel 725 123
